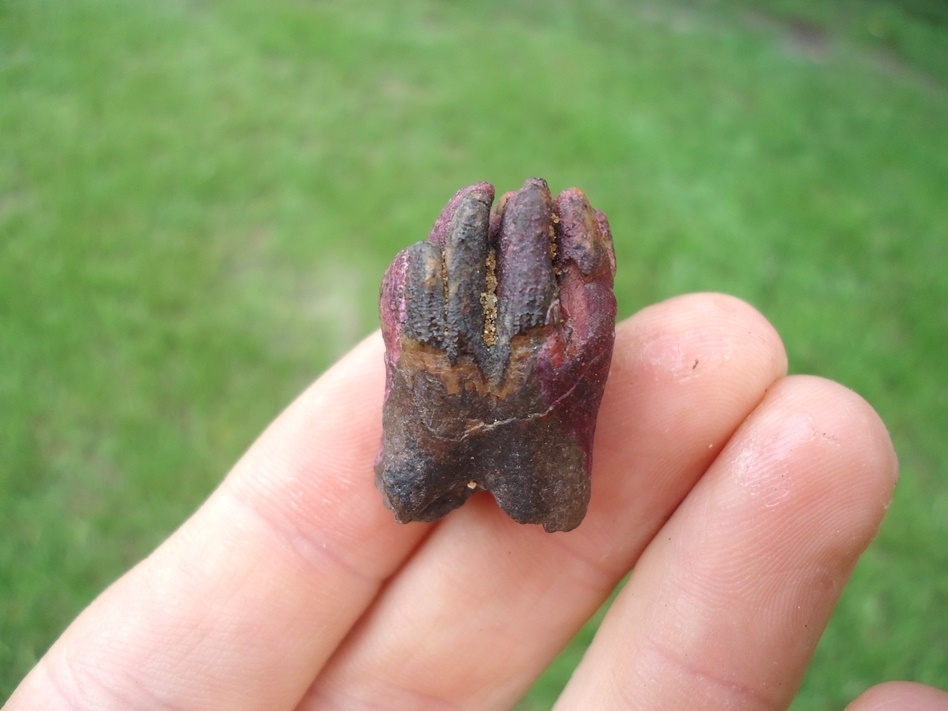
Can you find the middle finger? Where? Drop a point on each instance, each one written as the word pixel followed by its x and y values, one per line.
pixel 482 607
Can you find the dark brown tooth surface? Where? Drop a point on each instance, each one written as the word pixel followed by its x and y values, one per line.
pixel 499 332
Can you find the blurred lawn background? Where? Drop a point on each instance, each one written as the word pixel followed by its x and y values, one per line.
pixel 197 201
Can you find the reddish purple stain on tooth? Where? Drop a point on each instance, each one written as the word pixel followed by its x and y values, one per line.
pixel 498 333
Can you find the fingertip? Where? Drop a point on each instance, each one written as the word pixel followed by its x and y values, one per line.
pixel 851 471
pixel 685 373
pixel 899 695
pixel 871 444
pixel 750 564
pixel 692 339
pixel 803 483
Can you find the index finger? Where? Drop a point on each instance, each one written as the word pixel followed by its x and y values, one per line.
pixel 242 605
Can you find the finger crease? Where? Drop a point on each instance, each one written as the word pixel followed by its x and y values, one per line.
pixel 705 677
pixel 314 551
pixel 380 697
pixel 600 573
pixel 82 685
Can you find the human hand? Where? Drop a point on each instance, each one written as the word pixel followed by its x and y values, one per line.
pixel 741 496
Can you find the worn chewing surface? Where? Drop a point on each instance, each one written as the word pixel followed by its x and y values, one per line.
pixel 498 336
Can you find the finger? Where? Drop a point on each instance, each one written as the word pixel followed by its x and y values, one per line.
pixel 901 695
pixel 725 607
pixel 241 606
pixel 483 606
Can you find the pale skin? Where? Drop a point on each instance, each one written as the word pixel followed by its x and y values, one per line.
pixel 742 497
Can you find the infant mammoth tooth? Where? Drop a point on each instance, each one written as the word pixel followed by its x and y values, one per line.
pixel 498 333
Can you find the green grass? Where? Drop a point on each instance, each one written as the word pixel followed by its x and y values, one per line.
pixel 197 201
